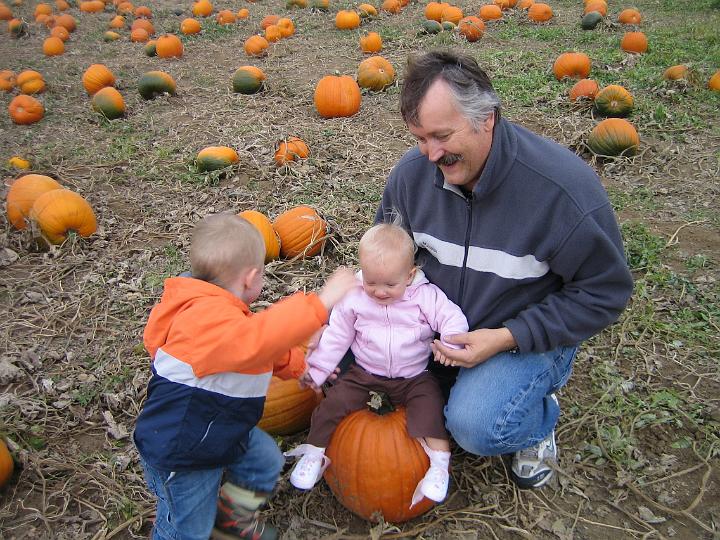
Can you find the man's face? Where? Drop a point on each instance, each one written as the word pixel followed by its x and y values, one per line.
pixel 449 140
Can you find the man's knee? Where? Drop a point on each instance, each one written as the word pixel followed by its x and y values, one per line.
pixel 474 433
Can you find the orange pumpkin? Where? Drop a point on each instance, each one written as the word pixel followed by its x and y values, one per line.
pixel 213 158
pixel 43 8
pixel 540 12
pixel 290 150
pixel 336 96
pixel 391 6
pixel 108 102
pixel 97 76
pixel 6 464
pixel 25 110
pixel 471 28
pixel 634 42
pixel 270 237
pixel 60 212
pixel 596 5
pixel 225 16
pixel 139 35
pixel 630 16
pixel 202 8
pixel 371 43
pixel 92 6
pixel 433 10
pixel 61 5
pixel 272 33
pixel 17 27
pixel 269 20
pixel 67 21
pixel 490 12
pixel 60 32
pixel 584 88
pixel 302 232
pixel 111 36
pixel 53 46
pixel 614 100
pixel 675 73
pixel 118 21
pixel 614 137
pixel 5 13
pixel 367 10
pixel 375 466
pixel 22 194
pixel 451 14
pixel 143 11
pixel 7 80
pixel 190 26
pixel 256 46
pixel 525 4
pixel 714 82
pixel 144 24
pixel 243 13
pixel 573 65
pixel 286 26
pixel 169 46
pixel 288 407
pixel 375 73
pixel 347 19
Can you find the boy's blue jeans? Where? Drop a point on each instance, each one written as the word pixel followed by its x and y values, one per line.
pixel 187 500
pixel 503 404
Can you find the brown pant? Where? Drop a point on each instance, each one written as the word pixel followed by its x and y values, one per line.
pixel 420 395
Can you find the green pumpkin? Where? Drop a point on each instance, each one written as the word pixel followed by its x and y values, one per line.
pixel 213 158
pixel 246 82
pixel 614 100
pixel 448 26
pixel 110 36
pixel 108 102
pixel 591 20
pixel 151 48
pixel 613 137
pixel 432 27
pixel 155 83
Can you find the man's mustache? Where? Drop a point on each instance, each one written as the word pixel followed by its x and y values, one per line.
pixel 449 159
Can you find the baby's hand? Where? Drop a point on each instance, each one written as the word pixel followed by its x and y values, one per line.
pixel 306 381
pixel 336 286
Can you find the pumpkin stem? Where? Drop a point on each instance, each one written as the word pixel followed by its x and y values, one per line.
pixel 380 403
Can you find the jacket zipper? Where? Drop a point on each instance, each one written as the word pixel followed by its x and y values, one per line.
pixel 463 270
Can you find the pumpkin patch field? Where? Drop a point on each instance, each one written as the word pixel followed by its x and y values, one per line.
pixel 123 123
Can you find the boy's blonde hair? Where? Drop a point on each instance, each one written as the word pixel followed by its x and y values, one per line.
pixel 387 240
pixel 222 246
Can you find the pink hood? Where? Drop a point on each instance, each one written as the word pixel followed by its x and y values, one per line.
pixel 389 340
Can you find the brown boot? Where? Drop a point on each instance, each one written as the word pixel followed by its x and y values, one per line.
pixel 236 517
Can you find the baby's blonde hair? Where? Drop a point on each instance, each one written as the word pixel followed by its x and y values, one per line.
pixel 387 240
pixel 222 246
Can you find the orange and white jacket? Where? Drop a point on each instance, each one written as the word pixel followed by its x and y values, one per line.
pixel 212 363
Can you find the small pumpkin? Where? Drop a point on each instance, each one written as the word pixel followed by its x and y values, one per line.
pixel 60 212
pixel 111 36
pixel 471 28
pixel 614 100
pixel 60 32
pixel 296 3
pixel 97 76
pixel 169 46
pixel 144 24
pixel 269 20
pixel 213 158
pixel 290 150
pixel 371 43
pixel 490 12
pixel 525 4
pixel 302 232
pixel 598 6
pixel 155 83
pixel 714 82
pixel 22 194
pixel 7 80
pixel 16 162
pixel 243 13
pixel 675 73
pixel 433 10
pixel 286 26
pixel 92 6
pixel 451 14
pixel 540 12
pixel 634 42
pixel 117 22
pixel 150 48
pixel 391 6
pixel 6 13
pixel 288 407
pixel 367 10
pixel 375 466
pixel 375 73
pixel 614 137
pixel 108 102
pixel 320 5
pixel 6 464
pixel 573 65
pixel 256 46
pixel 630 16
pixel 143 11
pixel 271 239
pixel 32 86
pixel 53 46
pixel 248 80
pixel 25 110
pixel 43 8
pixel 190 26
pixel 347 19
pixel 337 96
pixel 591 20
pixel 225 16
pixel 67 21
pixel 17 27
pixel 273 34
pixel 431 26
pixel 584 88
pixel 202 8
pixel 139 35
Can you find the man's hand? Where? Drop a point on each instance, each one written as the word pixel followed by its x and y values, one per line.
pixel 478 346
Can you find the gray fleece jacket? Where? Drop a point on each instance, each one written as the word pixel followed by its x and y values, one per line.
pixel 535 247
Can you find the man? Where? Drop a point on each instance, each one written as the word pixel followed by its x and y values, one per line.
pixel 519 232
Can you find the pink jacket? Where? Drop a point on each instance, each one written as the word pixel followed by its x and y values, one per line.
pixel 392 340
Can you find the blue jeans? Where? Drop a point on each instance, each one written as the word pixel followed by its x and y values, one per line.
pixel 187 500
pixel 503 404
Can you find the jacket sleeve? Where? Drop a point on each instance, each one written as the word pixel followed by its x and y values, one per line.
pixel 597 285
pixel 444 316
pixel 255 343
pixel 334 342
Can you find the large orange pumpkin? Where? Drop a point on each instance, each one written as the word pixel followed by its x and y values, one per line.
pixel 572 64
pixel 270 237
pixel 22 194
pixel 301 231
pixel 375 466
pixel 375 73
pixel 169 46
pixel 25 110
pixel 60 212
pixel 634 42
pixel 97 76
pixel 337 96
pixel 6 464
pixel 288 407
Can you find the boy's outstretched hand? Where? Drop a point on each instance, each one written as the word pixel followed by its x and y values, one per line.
pixel 340 282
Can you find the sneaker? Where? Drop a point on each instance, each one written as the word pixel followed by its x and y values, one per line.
pixel 434 484
pixel 529 468
pixel 234 521
pixel 309 469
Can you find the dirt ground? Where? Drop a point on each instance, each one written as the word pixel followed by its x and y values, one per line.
pixel 638 436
